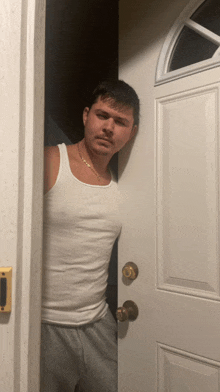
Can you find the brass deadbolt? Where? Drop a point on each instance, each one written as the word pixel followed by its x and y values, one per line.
pixel 130 270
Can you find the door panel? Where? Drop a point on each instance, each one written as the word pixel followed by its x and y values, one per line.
pixel 182 371
pixel 187 202
pixel 170 185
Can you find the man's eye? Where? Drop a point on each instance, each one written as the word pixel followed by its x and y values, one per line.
pixel 118 122
pixel 102 116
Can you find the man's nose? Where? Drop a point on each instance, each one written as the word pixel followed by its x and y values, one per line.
pixel 109 125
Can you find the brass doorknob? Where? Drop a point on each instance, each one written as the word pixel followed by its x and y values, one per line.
pixel 130 270
pixel 129 311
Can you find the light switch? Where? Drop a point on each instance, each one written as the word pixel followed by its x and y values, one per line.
pixel 5 289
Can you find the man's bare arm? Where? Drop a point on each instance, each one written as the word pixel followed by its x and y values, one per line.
pixel 51 166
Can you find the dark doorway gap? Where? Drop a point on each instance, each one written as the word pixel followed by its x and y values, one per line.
pixel 81 50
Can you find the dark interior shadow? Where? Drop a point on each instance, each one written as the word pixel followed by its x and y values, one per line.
pixel 81 50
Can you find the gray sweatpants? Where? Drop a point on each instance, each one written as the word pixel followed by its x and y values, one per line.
pixel 86 355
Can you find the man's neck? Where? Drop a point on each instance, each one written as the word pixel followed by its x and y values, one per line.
pixel 99 161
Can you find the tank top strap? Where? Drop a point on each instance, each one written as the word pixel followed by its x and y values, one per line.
pixel 64 159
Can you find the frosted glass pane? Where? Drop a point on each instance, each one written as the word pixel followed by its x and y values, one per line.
pixel 190 48
pixel 208 15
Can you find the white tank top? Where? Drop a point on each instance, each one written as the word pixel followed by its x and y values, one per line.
pixel 81 223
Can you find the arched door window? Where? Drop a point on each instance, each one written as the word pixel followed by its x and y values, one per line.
pixel 193 44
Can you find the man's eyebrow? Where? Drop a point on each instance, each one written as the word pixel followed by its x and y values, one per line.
pixel 101 111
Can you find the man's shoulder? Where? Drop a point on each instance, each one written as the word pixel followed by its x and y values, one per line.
pixel 51 151
pixel 51 166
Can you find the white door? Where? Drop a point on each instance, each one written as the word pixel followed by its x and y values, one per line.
pixel 21 178
pixel 171 216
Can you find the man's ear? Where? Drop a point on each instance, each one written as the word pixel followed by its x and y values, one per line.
pixel 133 131
pixel 85 115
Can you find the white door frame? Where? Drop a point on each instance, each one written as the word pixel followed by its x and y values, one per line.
pixel 21 151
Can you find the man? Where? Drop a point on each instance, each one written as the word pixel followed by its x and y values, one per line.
pixel 81 223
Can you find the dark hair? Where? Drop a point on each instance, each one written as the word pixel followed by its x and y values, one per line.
pixel 120 93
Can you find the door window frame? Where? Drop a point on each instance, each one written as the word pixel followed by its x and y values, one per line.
pixel 162 73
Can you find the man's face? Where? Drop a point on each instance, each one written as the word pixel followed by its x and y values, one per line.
pixel 108 128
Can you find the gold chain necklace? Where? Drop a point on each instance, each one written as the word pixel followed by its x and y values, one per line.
pixel 87 164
